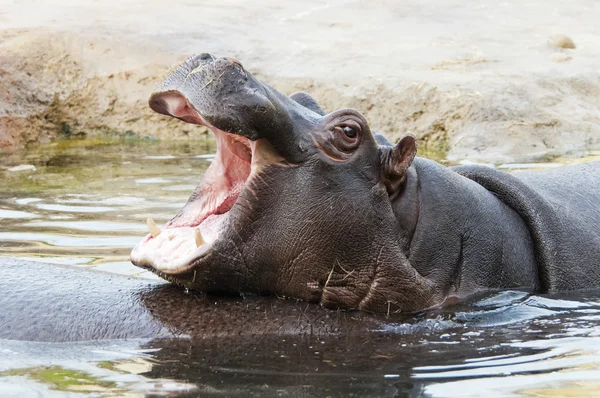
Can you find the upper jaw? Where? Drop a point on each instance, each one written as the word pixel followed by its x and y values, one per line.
pixel 197 92
pixel 220 94
pixel 214 92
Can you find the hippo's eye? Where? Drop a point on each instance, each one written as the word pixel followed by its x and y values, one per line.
pixel 342 135
pixel 349 131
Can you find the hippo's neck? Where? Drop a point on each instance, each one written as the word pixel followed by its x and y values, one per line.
pixel 460 236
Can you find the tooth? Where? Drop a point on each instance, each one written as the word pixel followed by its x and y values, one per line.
pixel 154 230
pixel 198 238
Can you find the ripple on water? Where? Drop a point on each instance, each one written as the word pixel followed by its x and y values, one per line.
pixel 153 180
pixel 74 209
pixel 160 157
pixel 187 188
pixel 102 368
pixel 553 342
pixel 26 201
pixel 16 214
pixel 559 363
pixel 123 200
pixel 510 307
pixel 60 260
pixel 177 205
pixel 71 241
pixel 102 226
pixel 504 316
pixel 207 156
pixel 499 299
pixel 117 201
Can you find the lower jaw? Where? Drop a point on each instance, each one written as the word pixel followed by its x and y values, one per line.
pixel 172 278
pixel 172 251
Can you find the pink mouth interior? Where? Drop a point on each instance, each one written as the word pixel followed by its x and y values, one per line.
pixel 175 248
pixel 223 182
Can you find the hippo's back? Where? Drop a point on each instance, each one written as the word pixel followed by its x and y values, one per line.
pixel 572 190
pixel 561 208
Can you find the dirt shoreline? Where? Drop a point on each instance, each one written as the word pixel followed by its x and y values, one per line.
pixel 511 93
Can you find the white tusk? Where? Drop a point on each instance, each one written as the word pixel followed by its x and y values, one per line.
pixel 154 230
pixel 198 238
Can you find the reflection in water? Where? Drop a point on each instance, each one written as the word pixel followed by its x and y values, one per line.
pixel 73 209
pixel 441 353
pixel 69 241
pixel 104 368
pixel 89 226
pixel 86 205
pixel 15 214
pixel 562 367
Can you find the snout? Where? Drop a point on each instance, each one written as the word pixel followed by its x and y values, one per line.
pixel 218 93
pixel 221 94
pixel 197 62
pixel 197 67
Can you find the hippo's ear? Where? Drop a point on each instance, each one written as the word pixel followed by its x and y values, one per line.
pixel 395 161
pixel 307 101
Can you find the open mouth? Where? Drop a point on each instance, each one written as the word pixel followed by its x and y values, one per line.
pixel 190 234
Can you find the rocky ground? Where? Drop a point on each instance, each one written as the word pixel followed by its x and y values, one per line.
pixel 492 81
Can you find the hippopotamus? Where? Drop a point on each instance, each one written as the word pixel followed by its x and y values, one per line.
pixel 317 206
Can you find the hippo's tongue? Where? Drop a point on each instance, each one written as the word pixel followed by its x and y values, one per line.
pixel 193 230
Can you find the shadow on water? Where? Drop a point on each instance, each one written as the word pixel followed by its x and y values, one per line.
pixel 82 204
pixel 501 343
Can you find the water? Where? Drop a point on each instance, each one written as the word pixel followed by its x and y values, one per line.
pixel 84 204
pixel 87 201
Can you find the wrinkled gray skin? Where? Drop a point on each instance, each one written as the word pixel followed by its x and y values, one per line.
pixel 359 223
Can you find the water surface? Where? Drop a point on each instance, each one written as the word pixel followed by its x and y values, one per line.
pixel 85 202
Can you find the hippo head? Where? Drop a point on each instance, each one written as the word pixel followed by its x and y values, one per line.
pixel 296 202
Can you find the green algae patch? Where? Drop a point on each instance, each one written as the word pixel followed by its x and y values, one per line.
pixel 591 156
pixel 62 379
pixel 109 365
pixel 438 154
pixel 84 165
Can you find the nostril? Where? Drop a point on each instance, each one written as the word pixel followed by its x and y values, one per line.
pixel 200 59
pixel 235 61
pixel 206 57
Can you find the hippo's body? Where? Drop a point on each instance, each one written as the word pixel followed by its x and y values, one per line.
pixel 53 303
pixel 317 206
pixel 561 208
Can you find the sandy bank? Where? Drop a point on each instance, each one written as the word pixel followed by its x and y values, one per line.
pixel 484 81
